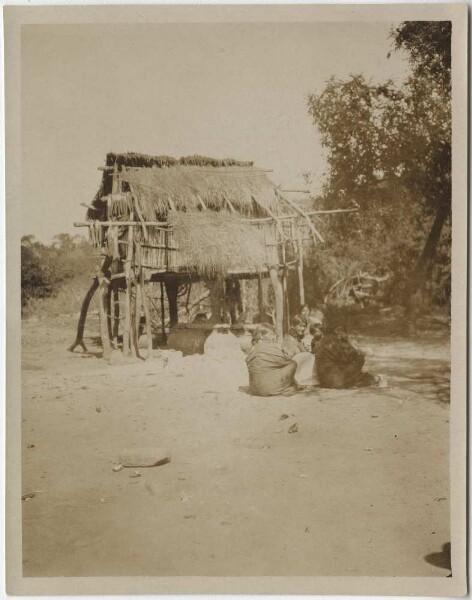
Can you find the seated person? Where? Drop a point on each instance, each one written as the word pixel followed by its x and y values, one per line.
pixel 304 314
pixel 338 363
pixel 271 373
pixel 316 332
pixel 294 347
pixel 293 342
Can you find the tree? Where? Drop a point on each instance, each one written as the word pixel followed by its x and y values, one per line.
pixel 36 280
pixel 389 149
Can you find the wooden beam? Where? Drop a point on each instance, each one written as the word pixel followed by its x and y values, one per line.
pixel 164 225
pixel 172 288
pixel 140 217
pixel 273 217
pixel 279 303
pixel 302 213
pixel 116 315
pixel 260 299
pixel 127 266
pixel 103 317
pixel 147 315
pixel 301 283
pixel 163 314
pixel 136 317
pixel 286 305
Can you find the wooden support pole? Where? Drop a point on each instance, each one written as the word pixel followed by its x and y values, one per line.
pixel 116 184
pixel 102 312
pixel 163 314
pixel 260 299
pixel 301 282
pixel 147 315
pixel 79 338
pixel 286 320
pixel 243 304
pixel 109 311
pixel 279 303
pixel 135 318
pixel 163 224
pixel 217 299
pixel 127 325
pixel 127 321
pixel 116 315
pixel 172 289
pixel 316 234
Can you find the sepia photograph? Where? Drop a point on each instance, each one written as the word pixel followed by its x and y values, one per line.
pixel 236 239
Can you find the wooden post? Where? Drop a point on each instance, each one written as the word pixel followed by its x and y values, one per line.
pixel 116 184
pixel 103 294
pixel 79 338
pixel 217 299
pixel 147 316
pixel 116 314
pixel 279 303
pixel 301 282
pixel 109 311
pixel 260 299
pixel 172 289
pixel 135 319
pixel 163 314
pixel 127 325
pixel 286 305
pixel 243 303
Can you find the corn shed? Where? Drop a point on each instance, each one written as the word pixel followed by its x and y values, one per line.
pixel 175 221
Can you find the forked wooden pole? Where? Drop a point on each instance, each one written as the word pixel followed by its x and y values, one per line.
pixel 79 338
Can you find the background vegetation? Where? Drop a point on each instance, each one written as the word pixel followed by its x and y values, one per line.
pixel 388 150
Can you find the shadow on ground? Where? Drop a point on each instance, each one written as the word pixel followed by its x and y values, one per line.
pixel 440 559
pixel 425 376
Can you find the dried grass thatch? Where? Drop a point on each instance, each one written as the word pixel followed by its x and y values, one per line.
pixel 134 159
pixel 188 188
pixel 215 243
pixel 187 184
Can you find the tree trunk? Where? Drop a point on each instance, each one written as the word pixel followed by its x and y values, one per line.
pixel 423 269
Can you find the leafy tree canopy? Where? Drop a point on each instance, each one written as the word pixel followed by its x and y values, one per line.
pixel 389 149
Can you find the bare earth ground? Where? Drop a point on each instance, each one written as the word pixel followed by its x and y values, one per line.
pixel 361 489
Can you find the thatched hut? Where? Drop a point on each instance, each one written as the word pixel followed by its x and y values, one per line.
pixel 157 218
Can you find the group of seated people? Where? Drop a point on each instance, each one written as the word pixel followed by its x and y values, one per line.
pixel 322 357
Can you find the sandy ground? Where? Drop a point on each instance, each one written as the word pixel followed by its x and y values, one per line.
pixel 361 489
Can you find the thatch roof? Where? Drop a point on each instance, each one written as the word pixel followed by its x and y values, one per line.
pixel 134 159
pixel 204 202
pixel 217 243
pixel 159 183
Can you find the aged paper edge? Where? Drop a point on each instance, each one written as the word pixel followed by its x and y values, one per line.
pixel 14 18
